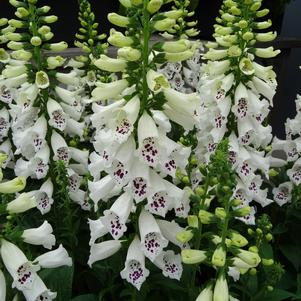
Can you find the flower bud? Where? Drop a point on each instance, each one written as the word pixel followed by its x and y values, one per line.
pixel 49 19
pixel 206 217
pixel 241 212
pixel 267 262
pixel 44 29
pixel 118 20
pixel 248 36
pixel 193 221
pixel 15 45
pixel 16 23
pixel 253 249
pixel 165 24
pixel 129 54
pixel 248 257
pixel 206 294
pixel 35 41
pixel 177 57
pixel 43 10
pixel 264 24
pixel 126 3
pixel 262 13
pixel 256 6
pixel 269 237
pixel 220 212
pixel 234 51
pixel 273 172
pixel 227 17
pixel 173 14
pixel 219 257
pixel 221 291
pixel 184 236
pixel 117 39
pixel 21 204
pixel 16 3
pixel 22 12
pixel 4 56
pixel 266 52
pixel 13 186
pixel 193 256
pixel 266 37
pixel 237 239
pixel 55 61
pixel 136 2
pixel 61 46
pixel 154 5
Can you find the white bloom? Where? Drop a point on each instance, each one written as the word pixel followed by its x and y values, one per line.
pixel 135 271
pixel 295 172
pixel 2 287
pixel 105 91
pixel 68 78
pixel 16 263
pixel 152 240
pixel 221 291
pixel 59 147
pixel 108 64
pixel 38 291
pixel 170 264
pixel 40 236
pixel 156 81
pixel 75 128
pixel 43 196
pixel 81 198
pixel 69 97
pixel 54 259
pixel 4 123
pixel 103 250
pixel 116 217
pixel 21 204
pixel 97 230
pixel 42 80
pixel 58 118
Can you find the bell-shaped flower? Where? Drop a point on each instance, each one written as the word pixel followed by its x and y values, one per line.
pixel 170 264
pixel 115 218
pixel 2 287
pixel 14 71
pixel 15 82
pixel 101 190
pixel 111 65
pixel 40 236
pixel 38 291
pixel 105 91
pixel 4 123
pixel 57 116
pixel 103 250
pixel 75 128
pixel 54 259
pixel 147 136
pixel 283 193
pixel 118 39
pixel 126 117
pixel 221 291
pixel 248 257
pixel 156 82
pixel 68 78
pixel 152 240
pixel 97 230
pixel 42 80
pixel 140 183
pixel 21 204
pixel 81 198
pixel 59 147
pixel 135 271
pixel 206 294
pixel 13 186
pixel 71 111
pixel 190 256
pixel 5 94
pixel 170 230
pixel 264 88
pixel 69 97
pixel 16 263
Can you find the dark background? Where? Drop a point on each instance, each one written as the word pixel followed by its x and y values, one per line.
pixel 286 20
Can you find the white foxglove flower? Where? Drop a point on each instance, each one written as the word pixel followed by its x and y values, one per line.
pixel 69 97
pixel 4 123
pixel 135 271
pixel 59 147
pixel 283 193
pixel 81 198
pixel 30 91
pixel 42 80
pixel 15 82
pixel 170 230
pixel 21 204
pixel 38 291
pixel 264 88
pixel 221 291
pixel 54 259
pixel 40 236
pixel 147 136
pixel 105 91
pixel 12 186
pixel 115 218
pixel 75 128
pixel 152 240
pixel 5 94
pixel 68 78
pixel 43 196
pixel 103 250
pixel 74 180
pixel 57 116
pixel 101 190
pixel 170 264
pixel 2 287
pixel 14 71
pixel 156 82
pixel 108 64
pixel 80 156
pixel 294 173
pixel 97 230
pixel 16 263
pixel 72 111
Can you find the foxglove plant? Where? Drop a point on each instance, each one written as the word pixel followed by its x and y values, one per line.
pixel 22 270
pixel 135 162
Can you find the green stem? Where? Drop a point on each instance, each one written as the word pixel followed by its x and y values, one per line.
pixel 145 54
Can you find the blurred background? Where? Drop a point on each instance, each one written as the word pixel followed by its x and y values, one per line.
pixel 285 15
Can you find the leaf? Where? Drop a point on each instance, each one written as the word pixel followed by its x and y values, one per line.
pixel 59 280
pixel 88 297
pixel 278 295
pixel 266 251
pixel 293 254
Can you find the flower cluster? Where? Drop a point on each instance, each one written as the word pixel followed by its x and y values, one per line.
pixel 134 159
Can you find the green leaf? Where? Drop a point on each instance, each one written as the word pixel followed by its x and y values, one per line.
pixel 278 295
pixel 88 297
pixel 59 280
pixel 293 254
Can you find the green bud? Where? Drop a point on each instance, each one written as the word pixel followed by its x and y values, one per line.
pixel 270 288
pixel 253 249
pixel 262 13
pixel 49 19
pixel 200 191
pixel 234 51
pixel 227 17
pixel 154 5
pixel 256 6
pixel 273 172
pixel 184 236
pixel 220 213
pixel 219 257
pixel 35 41
pixel 16 23
pixel 241 212
pixel 259 231
pixel 253 271
pixel 190 256
pixel 267 262
pixel 236 202
pixel 206 217
pixel 118 20
pixel 185 180
pixel 43 10
pixel 16 3
pixel 248 36
pixel 269 237
pixel 22 12
pixel 235 11
pixel 237 239
pixel 193 221
pixel 243 24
